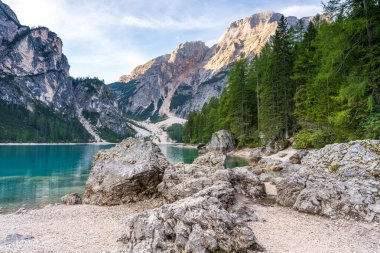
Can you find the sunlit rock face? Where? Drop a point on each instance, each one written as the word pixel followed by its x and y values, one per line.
pixel 193 73
pixel 32 66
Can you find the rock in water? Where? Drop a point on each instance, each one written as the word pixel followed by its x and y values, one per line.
pixel 339 180
pixel 126 173
pixel 223 141
pixel 193 224
pixel 72 199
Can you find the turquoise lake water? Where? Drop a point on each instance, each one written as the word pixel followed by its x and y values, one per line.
pixel 36 175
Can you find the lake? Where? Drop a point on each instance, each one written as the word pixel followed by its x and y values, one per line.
pixel 36 175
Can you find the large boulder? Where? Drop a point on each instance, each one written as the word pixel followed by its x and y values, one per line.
pixel 129 172
pixel 193 224
pixel 207 176
pixel 222 141
pixel 339 180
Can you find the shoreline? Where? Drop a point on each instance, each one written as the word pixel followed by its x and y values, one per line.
pixel 55 144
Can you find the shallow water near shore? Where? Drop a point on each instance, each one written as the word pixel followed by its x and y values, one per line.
pixel 33 176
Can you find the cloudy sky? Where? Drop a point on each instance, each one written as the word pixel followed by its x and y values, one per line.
pixel 109 38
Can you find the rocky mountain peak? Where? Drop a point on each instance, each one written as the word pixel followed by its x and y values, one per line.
pixel 189 50
pixel 193 73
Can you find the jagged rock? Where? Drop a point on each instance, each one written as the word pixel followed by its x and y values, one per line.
pixel 126 173
pixel 205 177
pixel 336 181
pixel 255 155
pixel 72 199
pixel 247 182
pixel 222 141
pixel 193 73
pixel 208 177
pixel 194 224
pixel 297 157
pixel 14 238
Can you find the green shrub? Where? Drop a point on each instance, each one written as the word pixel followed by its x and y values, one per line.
pixel 312 139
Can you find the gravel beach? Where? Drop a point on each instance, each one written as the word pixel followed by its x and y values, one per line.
pixel 87 228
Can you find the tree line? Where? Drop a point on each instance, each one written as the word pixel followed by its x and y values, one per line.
pixel 317 83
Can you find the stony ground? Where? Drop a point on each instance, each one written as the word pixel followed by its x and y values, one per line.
pixel 94 229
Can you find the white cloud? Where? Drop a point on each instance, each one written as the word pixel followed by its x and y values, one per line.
pixel 301 10
pixel 210 43
pixel 169 23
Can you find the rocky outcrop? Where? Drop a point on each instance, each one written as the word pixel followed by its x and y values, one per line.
pixel 194 224
pixel 202 213
pixel 193 73
pixel 339 180
pixel 297 157
pixel 222 141
pixel 208 177
pixel 129 172
pixel 72 199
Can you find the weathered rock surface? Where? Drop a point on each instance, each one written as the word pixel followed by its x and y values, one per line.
pixel 297 157
pixel 208 177
pixel 339 180
pixel 193 224
pixel 72 199
pixel 14 238
pixel 126 173
pixel 222 141
pixel 193 73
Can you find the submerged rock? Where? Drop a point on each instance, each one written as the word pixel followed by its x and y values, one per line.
pixel 129 172
pixel 222 141
pixel 72 199
pixel 193 224
pixel 339 180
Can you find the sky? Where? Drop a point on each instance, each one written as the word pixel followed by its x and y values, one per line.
pixel 109 38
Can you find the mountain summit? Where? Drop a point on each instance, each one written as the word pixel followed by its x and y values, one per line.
pixel 181 82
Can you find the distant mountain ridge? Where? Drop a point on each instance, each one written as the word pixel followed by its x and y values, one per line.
pixel 36 86
pixel 180 82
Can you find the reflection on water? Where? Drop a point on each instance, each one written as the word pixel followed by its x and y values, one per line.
pixel 177 154
pixel 38 175
pixel 234 162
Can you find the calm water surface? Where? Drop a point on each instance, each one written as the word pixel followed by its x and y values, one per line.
pixel 36 175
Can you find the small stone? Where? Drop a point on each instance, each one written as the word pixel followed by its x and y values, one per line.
pixel 22 211
pixel 14 238
pixel 72 199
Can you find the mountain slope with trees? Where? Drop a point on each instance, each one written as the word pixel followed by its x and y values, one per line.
pixel 319 83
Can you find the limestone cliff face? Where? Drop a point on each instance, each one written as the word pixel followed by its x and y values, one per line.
pixel 96 103
pixel 33 70
pixel 32 66
pixel 192 74
pixel 154 84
